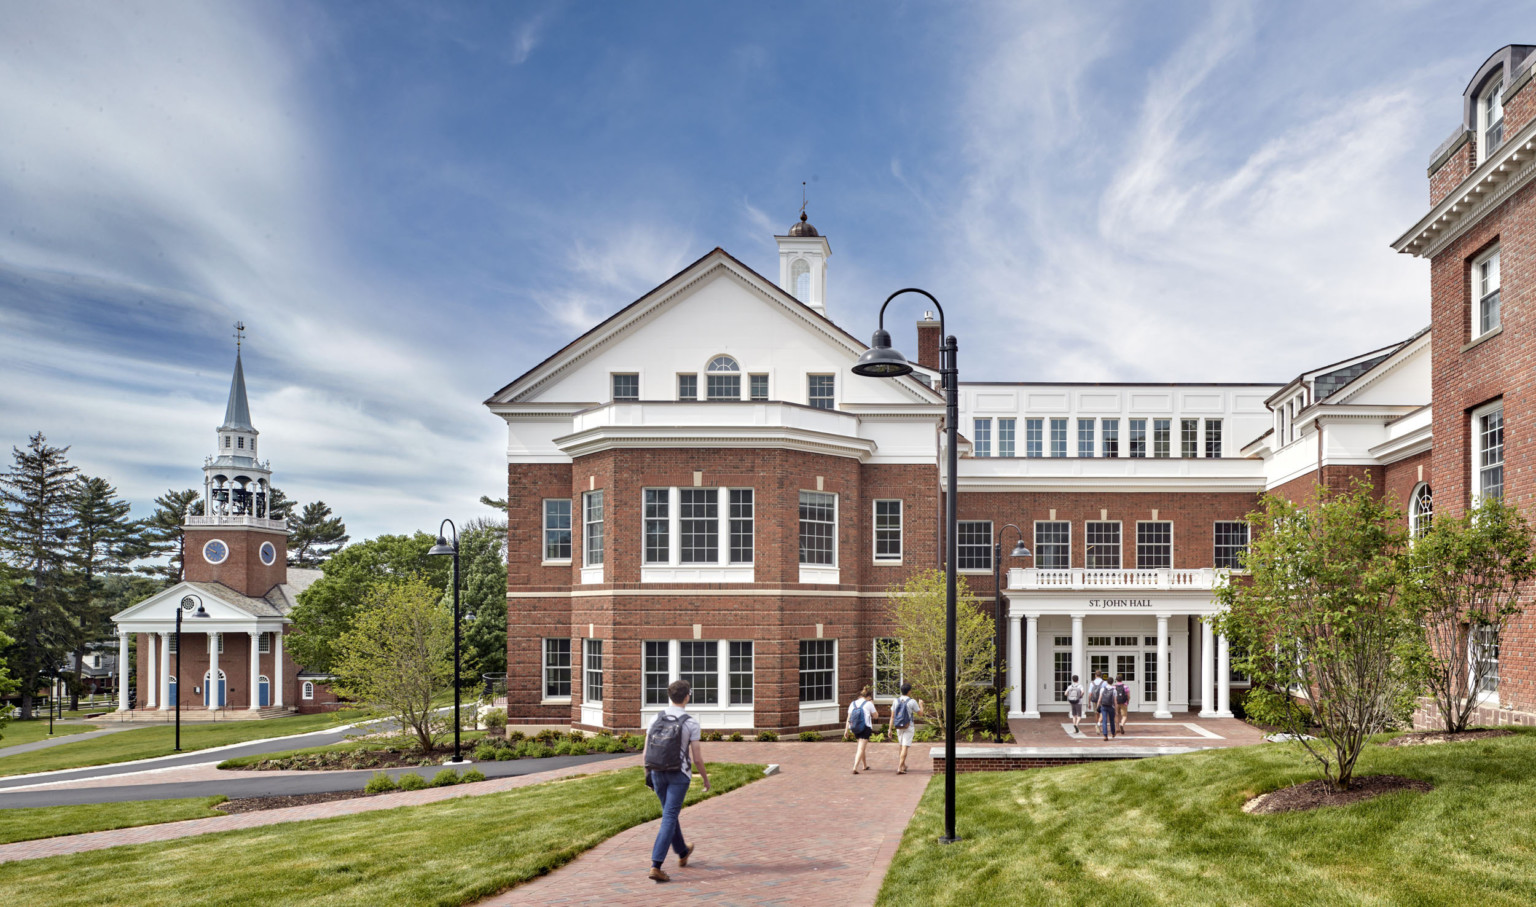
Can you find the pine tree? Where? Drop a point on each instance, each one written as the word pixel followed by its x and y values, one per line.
pixel 37 517
pixel 278 505
pixel 102 542
pixel 314 536
pixel 163 534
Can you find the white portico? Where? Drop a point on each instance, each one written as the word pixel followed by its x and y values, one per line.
pixel 1143 625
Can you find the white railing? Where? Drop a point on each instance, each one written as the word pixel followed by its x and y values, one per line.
pixel 1079 578
pixel 229 519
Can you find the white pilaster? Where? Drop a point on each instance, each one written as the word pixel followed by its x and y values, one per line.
pixel 255 688
pixel 1079 650
pixel 1207 678
pixel 211 691
pixel 1015 652
pixel 165 673
pixel 1031 666
pixel 122 670
pixel 1163 678
pixel 1223 677
pixel 277 668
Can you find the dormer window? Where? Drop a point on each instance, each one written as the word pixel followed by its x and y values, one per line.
pixel 722 379
pixel 1485 292
pixel 1490 119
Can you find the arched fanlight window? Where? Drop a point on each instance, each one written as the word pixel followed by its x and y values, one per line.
pixel 1421 510
pixel 800 280
pixel 722 379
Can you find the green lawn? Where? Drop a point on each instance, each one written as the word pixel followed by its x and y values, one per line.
pixel 51 821
pixel 449 853
pixel 1171 831
pixel 159 740
pixel 16 733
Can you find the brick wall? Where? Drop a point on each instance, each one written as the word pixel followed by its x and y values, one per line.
pixel 1456 168
pixel 242 570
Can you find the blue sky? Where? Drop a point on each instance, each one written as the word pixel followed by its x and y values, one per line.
pixel 409 204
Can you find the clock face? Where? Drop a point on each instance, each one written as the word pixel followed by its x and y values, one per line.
pixel 268 553
pixel 215 552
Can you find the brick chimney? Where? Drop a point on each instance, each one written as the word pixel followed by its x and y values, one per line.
pixel 929 340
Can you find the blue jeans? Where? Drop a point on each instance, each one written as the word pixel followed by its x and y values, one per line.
pixel 671 788
pixel 1107 720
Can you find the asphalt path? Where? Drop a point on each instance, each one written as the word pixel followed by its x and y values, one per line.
pixel 242 784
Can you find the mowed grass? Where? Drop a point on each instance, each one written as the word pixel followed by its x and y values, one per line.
pixel 31 823
pixel 447 853
pixel 160 740
pixel 1171 830
pixel 18 732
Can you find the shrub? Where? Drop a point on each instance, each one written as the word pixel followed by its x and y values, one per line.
pixel 926 733
pixel 412 781
pixel 607 745
pixel 737 738
pixel 486 752
pixel 577 736
pixel 495 718
pixel 505 753
pixel 877 738
pixel 515 736
pixel 472 776
pixel 380 783
pixel 809 736
pixel 563 748
pixel 445 778
pixel 548 736
pixel 532 749
pixel 1266 707
pixel 848 736
pixel 604 732
pixel 766 736
pixel 633 741
pixel 712 736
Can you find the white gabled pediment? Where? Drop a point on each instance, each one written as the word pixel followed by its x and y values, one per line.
pixel 160 609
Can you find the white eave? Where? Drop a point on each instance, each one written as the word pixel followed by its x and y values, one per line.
pixel 1510 168
pixel 729 425
pixel 1411 434
pixel 1110 474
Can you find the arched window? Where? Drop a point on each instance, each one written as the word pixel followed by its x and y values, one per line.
pixel 1421 510
pixel 800 280
pixel 309 690
pixel 722 379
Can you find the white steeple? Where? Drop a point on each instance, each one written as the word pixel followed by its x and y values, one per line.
pixel 236 484
pixel 803 264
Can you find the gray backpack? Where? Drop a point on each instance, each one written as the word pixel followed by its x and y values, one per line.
pixel 664 744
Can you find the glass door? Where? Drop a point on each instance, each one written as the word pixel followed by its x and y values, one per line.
pixel 1125 669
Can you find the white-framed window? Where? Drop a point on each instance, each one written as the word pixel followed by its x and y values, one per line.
pixel 226 442
pixel 557 529
pixel 742 524
pixel 821 391
pixel 1007 429
pixel 757 386
pixel 592 670
pixel 308 691
pixel 1138 438
pixel 887 662
pixel 697 526
pixel 1213 439
pixel 1490 119
pixel 216 638
pixel 1061 670
pixel 1058 437
pixel 818 529
pixel 557 669
pixel 1149 673
pixel 263 644
pixel 1111 438
pixel 973 538
pixel 592 528
pixel 1488 450
pixel 1189 438
pixel 722 379
pixel 1483 654
pixel 1101 540
pixel 1085 437
pixel 818 670
pixel 981 437
pixel 740 671
pixel 888 531
pixel 170 643
pixel 1154 545
pixel 1162 429
pixel 1421 510
pixel 687 386
pixel 657 509
pixel 1034 440
pixel 1486 315
pixel 657 672
pixel 1053 544
pixel 720 671
pixel 626 386
pixel 1231 540
pixel 698 662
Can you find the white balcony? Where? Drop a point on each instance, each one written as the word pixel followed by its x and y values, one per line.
pixel 230 519
pixel 1198 578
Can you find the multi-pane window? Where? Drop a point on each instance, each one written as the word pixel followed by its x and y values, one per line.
pixel 1101 542
pixel 982 438
pixel 626 386
pixel 1421 510
pixel 592 534
pixel 687 387
pixel 887 663
pixel 1485 284
pixel 1483 641
pixel 818 670
pixel 699 525
pixel 740 669
pixel 1058 437
pixel 1154 545
pixel 1062 671
pixel 1006 430
pixel 1490 119
pixel 1149 676
pixel 1138 437
pixel 557 669
pixel 1034 429
pixel 1189 438
pixel 1111 438
pixel 658 526
pixel 1213 439
pixel 263 646
pixel 820 390
pixel 974 539
pixel 1085 437
pixel 1231 542
pixel 1053 544
pixel 699 664
pixel 1161 430
pixel 1489 428
pixel 742 525
pixel 818 528
pixel 888 530
pixel 592 670
pixel 656 672
pixel 557 529
pixel 722 379
pixel 757 386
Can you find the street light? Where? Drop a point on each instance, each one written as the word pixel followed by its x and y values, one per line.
pixel 441 548
pixel 187 601
pixel 999 618
pixel 882 361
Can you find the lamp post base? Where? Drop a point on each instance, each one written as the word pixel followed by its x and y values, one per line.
pixel 944 839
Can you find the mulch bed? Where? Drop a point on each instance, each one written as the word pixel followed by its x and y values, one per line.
pixel 1426 738
pixel 255 804
pixel 1314 794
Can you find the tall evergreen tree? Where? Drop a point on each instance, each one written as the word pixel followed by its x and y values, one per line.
pixel 162 533
pixel 102 542
pixel 278 505
pixel 314 536
pixel 35 520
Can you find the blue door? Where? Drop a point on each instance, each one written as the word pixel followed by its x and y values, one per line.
pixel 208 688
pixel 170 697
pixel 265 692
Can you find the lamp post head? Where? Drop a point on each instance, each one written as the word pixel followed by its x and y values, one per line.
pixel 1019 550
pixel 881 360
pixel 442 547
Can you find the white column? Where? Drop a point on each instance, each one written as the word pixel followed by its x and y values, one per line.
pixel 165 673
pixel 1079 650
pixel 255 671
pixel 211 690
pixel 1223 678
pixel 1163 678
pixel 1015 652
pixel 122 670
pixel 277 668
pixel 1207 678
pixel 1031 666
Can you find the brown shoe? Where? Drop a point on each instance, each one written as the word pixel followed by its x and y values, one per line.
pixel 683 860
pixel 658 876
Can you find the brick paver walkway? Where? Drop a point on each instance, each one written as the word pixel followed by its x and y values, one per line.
pixel 1141 730
pixel 814 833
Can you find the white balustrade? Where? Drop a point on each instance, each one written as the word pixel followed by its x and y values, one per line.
pixel 1198 578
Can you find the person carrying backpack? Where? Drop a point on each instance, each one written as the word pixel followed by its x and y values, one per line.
pixel 1122 705
pixel 1103 699
pixel 861 721
pixel 904 723
pixel 1075 700
pixel 672 750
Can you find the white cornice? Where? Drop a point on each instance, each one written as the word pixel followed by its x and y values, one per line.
pixel 781 437
pixel 1490 185
pixel 1409 444
pixel 1392 363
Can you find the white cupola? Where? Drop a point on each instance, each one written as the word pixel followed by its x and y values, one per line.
pixel 803 264
pixel 236 483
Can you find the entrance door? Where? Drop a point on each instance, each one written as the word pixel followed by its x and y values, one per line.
pixel 1125 669
pixel 208 688
pixel 266 696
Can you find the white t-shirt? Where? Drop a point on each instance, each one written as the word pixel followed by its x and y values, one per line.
pixel 869 712
pixel 913 707
pixel 1074 688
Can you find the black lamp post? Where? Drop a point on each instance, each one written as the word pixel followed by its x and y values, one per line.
pixel 1000 619
pixel 881 361
pixel 443 547
pixel 187 603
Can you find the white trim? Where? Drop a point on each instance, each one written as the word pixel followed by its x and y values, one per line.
pixel 1480 292
pixel 1476 447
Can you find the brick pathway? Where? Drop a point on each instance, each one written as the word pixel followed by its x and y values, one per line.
pixel 1141 730
pixel 814 833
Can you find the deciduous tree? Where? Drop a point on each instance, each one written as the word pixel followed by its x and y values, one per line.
pixel 917 611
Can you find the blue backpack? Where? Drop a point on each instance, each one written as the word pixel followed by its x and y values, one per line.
pixel 856 720
pixel 901 716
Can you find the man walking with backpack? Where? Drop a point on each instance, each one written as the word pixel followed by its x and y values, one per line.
pixel 861 721
pixel 1103 701
pixel 903 715
pixel 672 750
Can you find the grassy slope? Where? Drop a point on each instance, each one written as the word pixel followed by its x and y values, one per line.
pixel 449 853
pixel 146 742
pixel 51 821
pixel 1171 831
pixel 16 733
